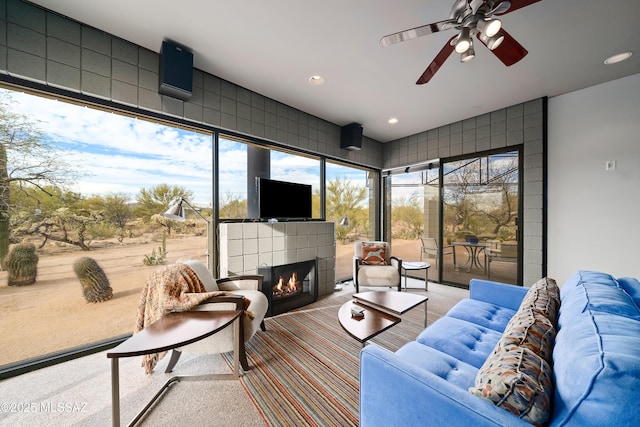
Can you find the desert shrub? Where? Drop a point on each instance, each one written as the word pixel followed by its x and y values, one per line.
pixel 158 257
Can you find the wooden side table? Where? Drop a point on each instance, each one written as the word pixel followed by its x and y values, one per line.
pixel 172 331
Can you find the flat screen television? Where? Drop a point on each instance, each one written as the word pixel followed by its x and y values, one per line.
pixel 283 200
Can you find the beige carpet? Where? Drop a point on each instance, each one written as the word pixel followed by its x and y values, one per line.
pixel 77 393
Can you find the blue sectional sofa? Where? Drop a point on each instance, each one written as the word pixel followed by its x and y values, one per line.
pixel 510 356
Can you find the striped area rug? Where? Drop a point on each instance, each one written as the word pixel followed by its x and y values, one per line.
pixel 305 367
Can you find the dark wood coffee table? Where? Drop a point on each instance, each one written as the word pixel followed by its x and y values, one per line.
pixel 171 331
pixel 382 310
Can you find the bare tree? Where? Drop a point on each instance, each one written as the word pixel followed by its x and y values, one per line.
pixel 27 157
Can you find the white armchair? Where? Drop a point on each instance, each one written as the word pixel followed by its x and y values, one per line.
pixel 373 266
pixel 242 287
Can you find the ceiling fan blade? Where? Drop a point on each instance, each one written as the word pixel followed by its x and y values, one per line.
pixel 517 4
pixel 417 32
pixel 509 51
pixel 437 62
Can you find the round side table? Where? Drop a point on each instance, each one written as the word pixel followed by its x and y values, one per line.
pixel 410 265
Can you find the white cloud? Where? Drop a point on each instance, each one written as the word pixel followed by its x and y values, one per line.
pixel 122 154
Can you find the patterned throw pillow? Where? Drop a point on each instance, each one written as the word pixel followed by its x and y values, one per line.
pixel 531 330
pixel 374 253
pixel 519 381
pixel 544 297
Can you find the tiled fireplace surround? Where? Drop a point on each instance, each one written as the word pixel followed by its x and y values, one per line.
pixel 245 246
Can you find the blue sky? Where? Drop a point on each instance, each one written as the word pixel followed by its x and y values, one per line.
pixel 121 154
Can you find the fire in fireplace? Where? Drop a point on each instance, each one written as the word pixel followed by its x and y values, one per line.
pixel 289 286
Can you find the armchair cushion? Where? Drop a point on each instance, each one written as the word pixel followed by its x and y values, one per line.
pixel 374 253
pixel 176 287
pixel 203 274
pixel 378 275
pixel 246 286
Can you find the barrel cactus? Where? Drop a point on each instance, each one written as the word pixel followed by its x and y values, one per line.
pixel 22 265
pixel 95 285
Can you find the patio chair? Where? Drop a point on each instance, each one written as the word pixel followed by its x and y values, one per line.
pixel 496 251
pixel 430 248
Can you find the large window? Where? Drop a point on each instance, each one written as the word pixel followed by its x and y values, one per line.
pixel 85 181
pixel 240 162
pixel 349 191
pixel 79 182
pixel 350 203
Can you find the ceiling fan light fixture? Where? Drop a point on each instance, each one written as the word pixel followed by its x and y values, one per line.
pixel 492 42
pixel 489 27
pixel 463 43
pixel 468 55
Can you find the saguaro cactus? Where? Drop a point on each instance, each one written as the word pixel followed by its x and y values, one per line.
pixel 22 265
pixel 95 285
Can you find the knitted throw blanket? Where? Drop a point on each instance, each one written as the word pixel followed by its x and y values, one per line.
pixel 175 287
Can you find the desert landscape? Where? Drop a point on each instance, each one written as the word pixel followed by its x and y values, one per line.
pixel 52 315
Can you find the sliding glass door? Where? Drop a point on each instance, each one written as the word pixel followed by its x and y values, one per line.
pixel 480 210
pixel 414 206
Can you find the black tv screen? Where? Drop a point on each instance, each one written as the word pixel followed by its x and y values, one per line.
pixel 283 200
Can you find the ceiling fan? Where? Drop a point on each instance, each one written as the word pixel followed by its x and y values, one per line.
pixel 471 18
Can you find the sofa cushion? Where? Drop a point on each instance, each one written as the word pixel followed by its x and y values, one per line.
pixel 631 286
pixel 530 329
pixel 471 343
pixel 544 297
pixel 374 253
pixel 590 292
pixel 482 313
pixel 596 357
pixel 447 367
pixel 517 380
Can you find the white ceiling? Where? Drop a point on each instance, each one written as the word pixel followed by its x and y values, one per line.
pixel 273 47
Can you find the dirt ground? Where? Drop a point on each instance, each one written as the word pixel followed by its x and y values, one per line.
pixel 52 314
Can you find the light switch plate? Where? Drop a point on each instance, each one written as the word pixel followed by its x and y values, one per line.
pixel 610 165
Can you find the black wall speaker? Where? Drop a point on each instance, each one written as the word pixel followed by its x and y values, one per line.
pixel 351 137
pixel 176 71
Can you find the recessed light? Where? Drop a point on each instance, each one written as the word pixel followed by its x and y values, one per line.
pixel 392 120
pixel 316 80
pixel 618 58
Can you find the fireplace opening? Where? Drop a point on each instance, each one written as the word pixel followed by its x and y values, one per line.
pixel 286 288
pixel 289 286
